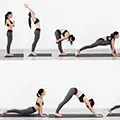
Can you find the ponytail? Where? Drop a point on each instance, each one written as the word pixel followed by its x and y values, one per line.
pixel 38 95
pixel 29 20
pixel 40 92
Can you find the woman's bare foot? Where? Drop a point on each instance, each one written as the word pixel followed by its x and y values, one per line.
pixel 63 54
pixel 58 115
pixel 78 52
pixel 110 110
pixel 9 54
pixel 34 54
pixel 5 112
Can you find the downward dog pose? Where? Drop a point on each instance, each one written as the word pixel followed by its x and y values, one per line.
pixel 37 31
pixel 114 108
pixel 66 36
pixel 10 24
pixel 108 40
pixel 38 107
pixel 81 97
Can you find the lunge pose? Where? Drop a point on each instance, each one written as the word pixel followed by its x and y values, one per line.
pixel 108 40
pixel 66 36
pixel 114 108
pixel 10 24
pixel 38 107
pixel 81 97
pixel 37 25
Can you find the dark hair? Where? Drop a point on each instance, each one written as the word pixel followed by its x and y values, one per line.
pixel 114 34
pixel 91 102
pixel 73 39
pixel 29 19
pixel 40 92
pixel 6 15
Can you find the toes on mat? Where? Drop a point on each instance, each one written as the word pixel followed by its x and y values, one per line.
pixel 15 55
pixel 41 55
pixel 68 55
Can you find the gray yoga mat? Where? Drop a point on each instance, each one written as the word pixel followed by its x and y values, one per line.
pixel 68 55
pixel 15 55
pixel 17 115
pixel 74 116
pixel 41 55
pixel 95 55
pixel 113 115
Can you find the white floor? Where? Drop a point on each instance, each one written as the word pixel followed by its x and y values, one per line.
pixel 55 54
pixel 68 111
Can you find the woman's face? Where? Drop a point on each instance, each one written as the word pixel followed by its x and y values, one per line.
pixel 10 16
pixel 44 93
pixel 117 36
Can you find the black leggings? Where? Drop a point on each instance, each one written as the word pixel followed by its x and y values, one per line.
pixel 99 42
pixel 115 107
pixel 58 36
pixel 69 95
pixel 37 37
pixel 9 39
pixel 27 111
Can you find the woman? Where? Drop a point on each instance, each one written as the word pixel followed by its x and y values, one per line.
pixel 38 107
pixel 66 36
pixel 82 98
pixel 37 31
pixel 10 24
pixel 108 40
pixel 114 108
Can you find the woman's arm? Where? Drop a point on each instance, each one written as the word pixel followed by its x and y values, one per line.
pixel 11 25
pixel 32 13
pixel 113 48
pixel 65 38
pixel 90 108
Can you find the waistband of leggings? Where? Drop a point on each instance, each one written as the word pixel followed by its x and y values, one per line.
pixel 38 29
pixel 9 31
pixel 34 110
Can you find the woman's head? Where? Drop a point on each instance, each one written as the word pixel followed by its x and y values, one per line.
pixel 115 35
pixel 29 19
pixel 91 102
pixel 8 16
pixel 41 92
pixel 71 39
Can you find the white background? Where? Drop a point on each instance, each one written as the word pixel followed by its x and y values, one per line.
pixel 86 19
pixel 20 81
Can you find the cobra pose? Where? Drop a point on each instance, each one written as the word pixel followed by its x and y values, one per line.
pixel 81 97
pixel 66 36
pixel 108 40
pixel 114 108
pixel 38 107
pixel 10 24
pixel 37 30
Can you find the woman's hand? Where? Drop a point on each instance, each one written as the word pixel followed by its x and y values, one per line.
pixel 97 115
pixel 26 6
pixel 57 41
pixel 114 55
pixel 43 115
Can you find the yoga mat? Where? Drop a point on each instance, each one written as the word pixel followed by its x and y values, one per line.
pixel 95 55
pixel 113 115
pixel 17 115
pixel 74 116
pixel 15 55
pixel 68 55
pixel 41 55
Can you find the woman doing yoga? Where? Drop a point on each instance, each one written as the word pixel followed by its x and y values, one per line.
pixel 10 24
pixel 66 36
pixel 82 98
pixel 38 107
pixel 108 40
pixel 37 25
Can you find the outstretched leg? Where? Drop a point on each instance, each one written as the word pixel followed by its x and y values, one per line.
pixel 115 107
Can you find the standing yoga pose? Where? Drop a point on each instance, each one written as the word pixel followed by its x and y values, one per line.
pixel 108 40
pixel 37 31
pixel 38 107
pixel 115 107
pixel 66 36
pixel 10 24
pixel 82 98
